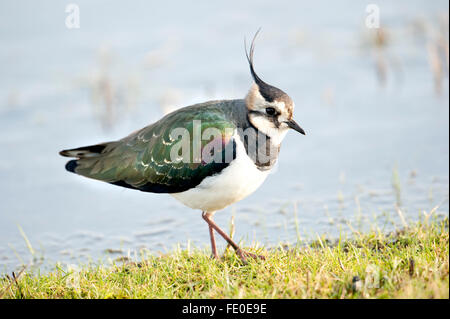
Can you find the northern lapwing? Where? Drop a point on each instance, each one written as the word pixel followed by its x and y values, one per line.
pixel 208 155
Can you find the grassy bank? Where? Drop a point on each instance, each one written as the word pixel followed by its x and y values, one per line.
pixel 411 263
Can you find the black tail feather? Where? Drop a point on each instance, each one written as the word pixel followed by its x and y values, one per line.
pixel 71 165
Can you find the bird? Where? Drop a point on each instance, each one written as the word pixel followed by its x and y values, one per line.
pixel 207 156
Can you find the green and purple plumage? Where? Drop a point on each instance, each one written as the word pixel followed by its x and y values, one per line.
pixel 143 161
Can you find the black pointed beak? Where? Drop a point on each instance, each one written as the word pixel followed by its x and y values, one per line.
pixel 293 125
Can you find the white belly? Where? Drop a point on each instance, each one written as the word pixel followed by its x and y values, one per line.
pixel 237 181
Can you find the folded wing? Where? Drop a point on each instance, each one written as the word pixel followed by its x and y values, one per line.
pixel 162 157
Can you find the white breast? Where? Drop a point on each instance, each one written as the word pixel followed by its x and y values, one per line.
pixel 237 181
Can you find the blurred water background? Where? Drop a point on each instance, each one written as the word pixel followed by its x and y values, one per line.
pixel 374 103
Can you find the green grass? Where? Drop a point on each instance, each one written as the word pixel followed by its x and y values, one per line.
pixel 411 263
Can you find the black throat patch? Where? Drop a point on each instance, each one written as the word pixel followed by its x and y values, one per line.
pixel 259 146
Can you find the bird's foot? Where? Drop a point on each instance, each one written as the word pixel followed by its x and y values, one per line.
pixel 244 254
pixel 215 256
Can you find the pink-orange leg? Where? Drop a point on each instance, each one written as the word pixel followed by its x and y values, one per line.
pixel 213 226
pixel 213 243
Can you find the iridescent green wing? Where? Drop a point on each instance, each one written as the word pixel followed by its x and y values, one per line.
pixel 171 155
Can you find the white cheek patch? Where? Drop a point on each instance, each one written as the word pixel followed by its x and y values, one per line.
pixel 266 126
pixel 262 123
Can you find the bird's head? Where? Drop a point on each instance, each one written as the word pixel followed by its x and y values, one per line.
pixel 270 109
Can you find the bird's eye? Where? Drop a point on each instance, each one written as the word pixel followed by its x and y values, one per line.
pixel 270 111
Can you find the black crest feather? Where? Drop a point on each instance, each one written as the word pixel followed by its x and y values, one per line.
pixel 269 92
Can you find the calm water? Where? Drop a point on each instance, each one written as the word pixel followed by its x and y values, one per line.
pixel 369 146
